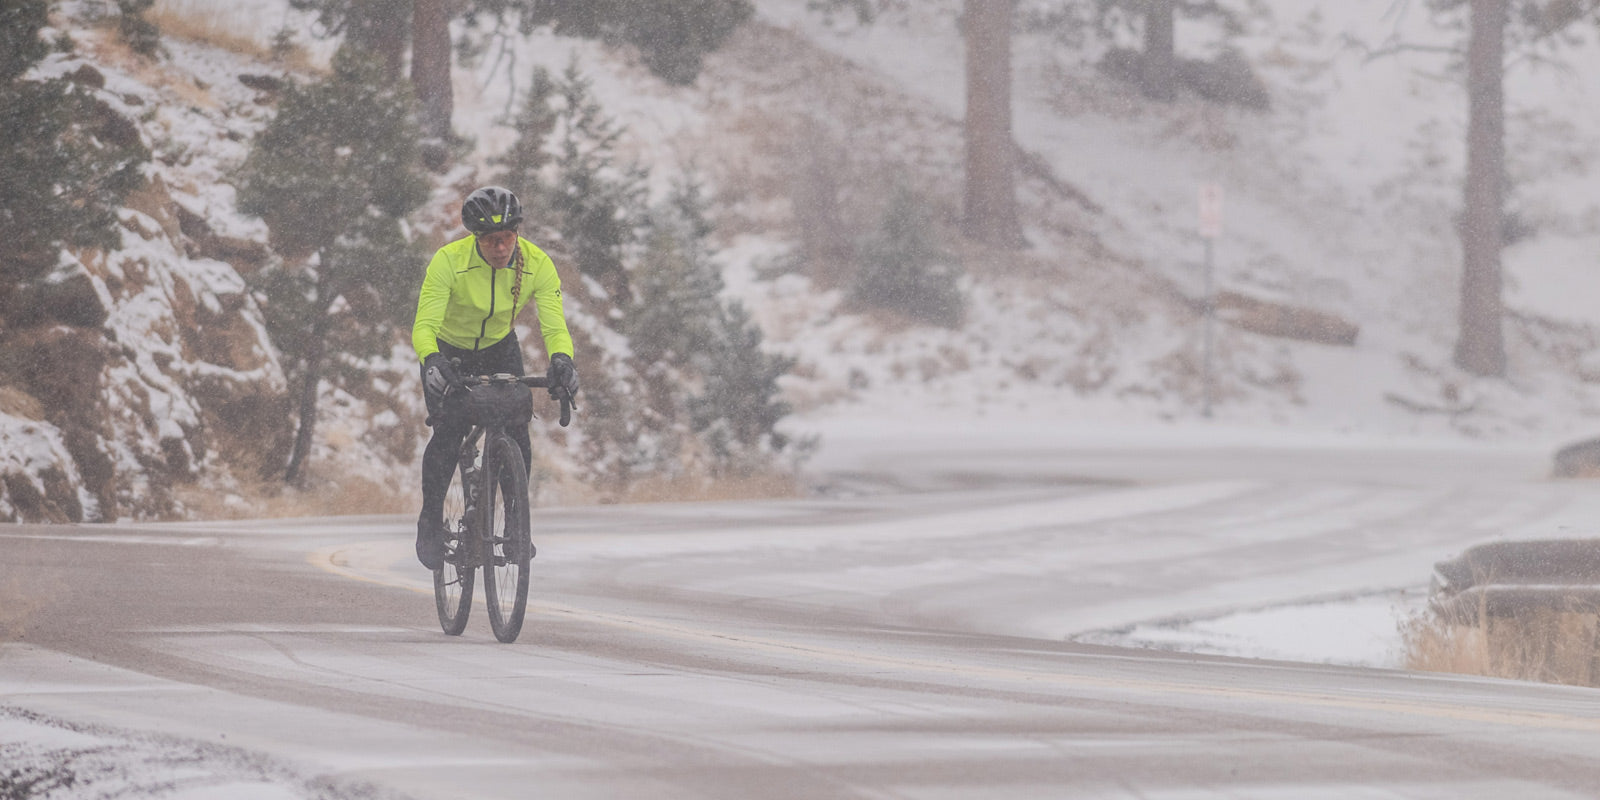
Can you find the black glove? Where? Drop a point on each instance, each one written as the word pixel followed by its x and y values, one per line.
pixel 562 376
pixel 439 376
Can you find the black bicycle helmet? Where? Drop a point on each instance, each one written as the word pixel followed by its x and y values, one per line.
pixel 491 209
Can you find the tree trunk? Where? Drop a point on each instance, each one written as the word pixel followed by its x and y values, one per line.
pixel 430 66
pixel 308 414
pixel 315 353
pixel 1480 348
pixel 820 163
pixel 1160 70
pixel 389 34
pixel 991 195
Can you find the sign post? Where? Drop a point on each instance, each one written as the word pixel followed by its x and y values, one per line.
pixel 1210 230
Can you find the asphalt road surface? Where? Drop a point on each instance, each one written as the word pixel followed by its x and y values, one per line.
pixel 910 642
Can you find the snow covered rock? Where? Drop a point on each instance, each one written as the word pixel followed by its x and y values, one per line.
pixel 145 366
pixel 38 478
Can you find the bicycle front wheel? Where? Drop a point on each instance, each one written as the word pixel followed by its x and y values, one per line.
pixel 452 582
pixel 505 570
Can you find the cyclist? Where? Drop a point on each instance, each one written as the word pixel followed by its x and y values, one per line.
pixel 472 292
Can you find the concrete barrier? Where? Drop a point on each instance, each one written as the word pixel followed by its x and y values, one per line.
pixel 1506 579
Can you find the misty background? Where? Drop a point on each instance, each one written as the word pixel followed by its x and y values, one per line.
pixel 782 224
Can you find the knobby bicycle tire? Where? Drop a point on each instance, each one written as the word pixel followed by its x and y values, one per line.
pixel 453 581
pixel 510 550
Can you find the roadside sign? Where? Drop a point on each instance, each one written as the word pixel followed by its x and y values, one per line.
pixel 1210 210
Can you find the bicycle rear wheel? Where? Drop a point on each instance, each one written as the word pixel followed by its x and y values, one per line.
pixel 453 581
pixel 505 570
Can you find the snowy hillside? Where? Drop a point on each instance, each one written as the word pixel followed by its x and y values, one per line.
pixel 1340 200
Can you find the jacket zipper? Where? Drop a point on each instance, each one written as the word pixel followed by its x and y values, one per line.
pixel 493 292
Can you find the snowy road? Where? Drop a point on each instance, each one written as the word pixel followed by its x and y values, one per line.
pixel 907 643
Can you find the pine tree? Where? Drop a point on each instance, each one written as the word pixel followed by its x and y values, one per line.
pixel 68 158
pixel 522 165
pixel 693 379
pixel 333 175
pixel 141 34
pixel 596 202
pixel 1159 72
pixel 388 28
pixel 621 435
pixel 382 27
pixel 20 44
pixel 703 352
pixel 866 11
pixel 672 322
pixel 738 411
pixel 903 268
pixel 1496 30
pixel 673 36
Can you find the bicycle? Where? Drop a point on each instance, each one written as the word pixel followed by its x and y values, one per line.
pixel 486 521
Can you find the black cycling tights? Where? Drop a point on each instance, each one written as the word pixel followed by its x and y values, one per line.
pixel 439 459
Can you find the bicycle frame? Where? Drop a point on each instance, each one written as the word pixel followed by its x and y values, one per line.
pixel 474 485
pixel 478 538
pixel 493 531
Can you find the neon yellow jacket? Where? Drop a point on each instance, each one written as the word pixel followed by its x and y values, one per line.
pixel 468 304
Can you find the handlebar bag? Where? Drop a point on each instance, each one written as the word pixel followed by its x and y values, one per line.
pixel 499 404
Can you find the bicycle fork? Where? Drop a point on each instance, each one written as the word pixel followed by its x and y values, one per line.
pixel 470 460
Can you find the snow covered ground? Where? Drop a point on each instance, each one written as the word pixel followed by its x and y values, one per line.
pixel 1334 610
pixel 1362 631
pixel 53 758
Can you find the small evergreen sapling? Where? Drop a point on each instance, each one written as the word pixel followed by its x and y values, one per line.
pixel 141 34
pixel 523 165
pixel 903 268
pixel 682 330
pixel 597 203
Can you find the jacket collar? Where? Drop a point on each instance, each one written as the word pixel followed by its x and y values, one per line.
pixel 477 259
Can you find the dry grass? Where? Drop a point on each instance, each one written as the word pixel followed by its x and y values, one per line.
pixel 213 24
pixel 764 486
pixel 1431 645
pixel 205 23
pixel 18 403
pixel 108 49
pixel 208 24
pixel 269 499
pixel 1547 646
